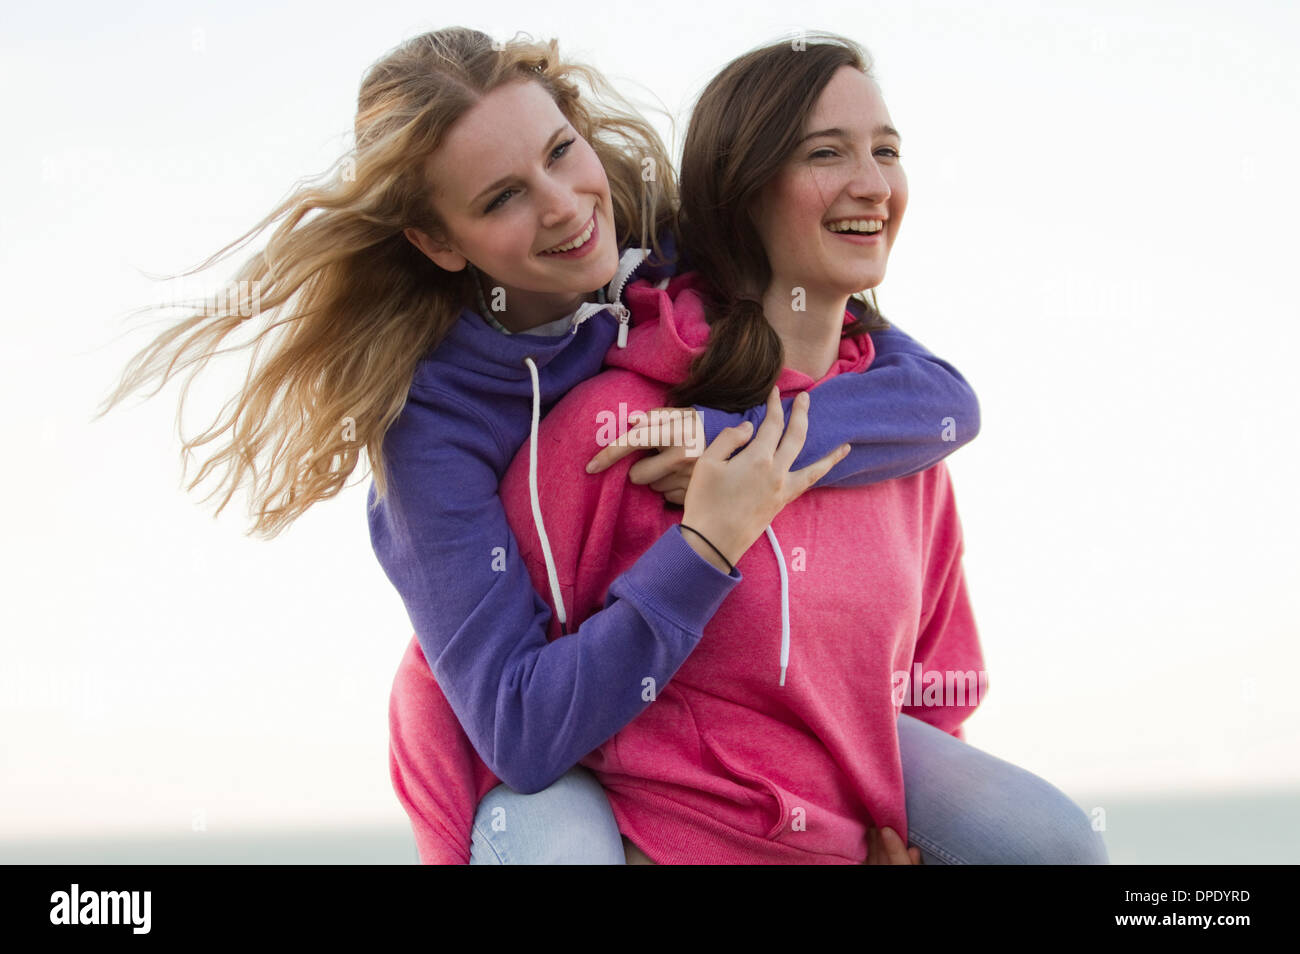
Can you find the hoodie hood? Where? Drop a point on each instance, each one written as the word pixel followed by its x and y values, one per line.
pixel 669 330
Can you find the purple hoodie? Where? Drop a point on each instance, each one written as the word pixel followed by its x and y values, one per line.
pixel 442 537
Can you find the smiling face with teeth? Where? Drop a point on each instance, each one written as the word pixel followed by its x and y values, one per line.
pixel 829 217
pixel 524 198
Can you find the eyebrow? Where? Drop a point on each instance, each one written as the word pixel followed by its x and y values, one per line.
pixel 884 129
pixel 505 179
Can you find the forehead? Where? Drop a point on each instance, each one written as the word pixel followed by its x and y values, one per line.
pixel 850 101
pixel 508 127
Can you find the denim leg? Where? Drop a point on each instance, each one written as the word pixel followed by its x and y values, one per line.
pixel 569 823
pixel 965 806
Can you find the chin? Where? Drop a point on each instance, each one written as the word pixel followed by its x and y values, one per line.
pixel 850 284
pixel 866 281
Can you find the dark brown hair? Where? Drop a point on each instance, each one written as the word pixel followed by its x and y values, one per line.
pixel 743 129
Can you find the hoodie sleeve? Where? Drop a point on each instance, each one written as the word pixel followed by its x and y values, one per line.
pixel 437 775
pixel 947 646
pixel 594 526
pixel 531 709
pixel 901 415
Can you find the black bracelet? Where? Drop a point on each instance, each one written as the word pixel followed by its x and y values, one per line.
pixel 715 549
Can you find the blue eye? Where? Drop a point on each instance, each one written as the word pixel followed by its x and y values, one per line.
pixel 557 153
pixel 499 200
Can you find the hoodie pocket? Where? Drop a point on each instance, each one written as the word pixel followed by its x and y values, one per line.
pixel 758 791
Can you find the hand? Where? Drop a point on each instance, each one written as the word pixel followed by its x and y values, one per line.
pixel 731 500
pixel 677 436
pixel 888 849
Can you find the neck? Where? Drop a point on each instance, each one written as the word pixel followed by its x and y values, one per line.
pixel 810 335
pixel 522 311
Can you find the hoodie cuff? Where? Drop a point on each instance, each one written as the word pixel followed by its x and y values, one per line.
pixel 678 583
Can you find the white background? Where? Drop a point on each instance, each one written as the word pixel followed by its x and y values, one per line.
pixel 1101 226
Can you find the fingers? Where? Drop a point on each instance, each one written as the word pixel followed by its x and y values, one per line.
pixel 769 432
pixel 874 851
pixel 673 481
pixel 895 849
pixel 657 466
pixel 796 430
pixel 664 427
pixel 805 478
pixel 916 855
pixel 609 456
pixel 885 847
pixel 673 488
pixel 726 443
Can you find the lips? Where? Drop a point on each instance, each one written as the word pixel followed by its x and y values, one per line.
pixel 860 238
pixel 856 225
pixel 585 233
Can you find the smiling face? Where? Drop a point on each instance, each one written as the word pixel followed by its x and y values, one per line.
pixel 525 199
pixel 846 173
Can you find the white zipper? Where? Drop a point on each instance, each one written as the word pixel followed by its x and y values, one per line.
pixel 620 309
pixel 618 292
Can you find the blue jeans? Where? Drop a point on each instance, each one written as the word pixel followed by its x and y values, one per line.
pixel 964 806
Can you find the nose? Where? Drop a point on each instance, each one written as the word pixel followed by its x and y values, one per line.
pixel 869 183
pixel 558 203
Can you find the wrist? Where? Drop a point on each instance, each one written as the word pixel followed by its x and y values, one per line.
pixel 706 553
pixel 706 548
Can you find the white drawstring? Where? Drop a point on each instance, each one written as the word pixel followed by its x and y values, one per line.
pixel 551 575
pixel 785 602
pixel 629 262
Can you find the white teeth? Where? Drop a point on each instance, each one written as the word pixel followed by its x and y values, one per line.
pixel 857 225
pixel 580 241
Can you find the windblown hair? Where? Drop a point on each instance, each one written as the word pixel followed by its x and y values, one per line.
pixel 745 126
pixel 344 306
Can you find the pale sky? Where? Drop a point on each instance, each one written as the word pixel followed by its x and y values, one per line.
pixel 1101 218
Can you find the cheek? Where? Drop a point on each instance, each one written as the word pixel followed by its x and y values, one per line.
pixel 898 194
pixel 591 172
pixel 504 243
pixel 818 190
pixel 798 207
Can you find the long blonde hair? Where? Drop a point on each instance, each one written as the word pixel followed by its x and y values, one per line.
pixel 346 305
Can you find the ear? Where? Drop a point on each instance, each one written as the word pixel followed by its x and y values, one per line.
pixel 437 249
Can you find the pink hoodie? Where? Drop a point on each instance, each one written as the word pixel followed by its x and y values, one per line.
pixel 776 740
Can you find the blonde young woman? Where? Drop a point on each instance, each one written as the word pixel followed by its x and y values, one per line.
pixel 459 271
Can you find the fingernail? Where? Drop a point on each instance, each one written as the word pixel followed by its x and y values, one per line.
pixel 591 465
